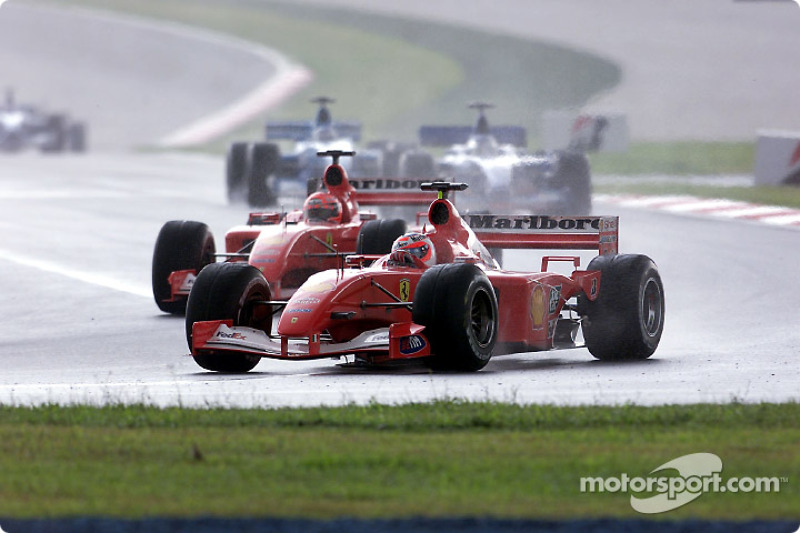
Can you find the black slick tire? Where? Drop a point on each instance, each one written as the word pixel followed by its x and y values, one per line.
pixel 626 320
pixel 180 245
pixel 229 291
pixel 458 307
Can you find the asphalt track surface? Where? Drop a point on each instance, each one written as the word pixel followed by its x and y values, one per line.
pixel 80 324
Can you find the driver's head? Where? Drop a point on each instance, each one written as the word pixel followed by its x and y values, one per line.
pixel 418 245
pixel 322 207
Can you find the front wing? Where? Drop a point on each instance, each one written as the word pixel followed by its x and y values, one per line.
pixel 398 341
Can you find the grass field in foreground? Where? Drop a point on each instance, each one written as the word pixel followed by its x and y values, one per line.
pixel 447 458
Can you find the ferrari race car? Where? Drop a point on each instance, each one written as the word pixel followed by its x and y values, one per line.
pixel 440 296
pixel 285 248
pixel 24 126
pixel 501 175
pixel 258 173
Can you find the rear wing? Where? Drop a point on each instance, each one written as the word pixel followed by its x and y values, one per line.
pixel 392 191
pixel 449 135
pixel 547 232
pixel 302 130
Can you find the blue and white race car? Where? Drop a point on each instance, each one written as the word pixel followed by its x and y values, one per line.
pixel 259 173
pixel 501 174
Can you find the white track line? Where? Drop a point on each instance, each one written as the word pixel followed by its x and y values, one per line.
pixel 92 278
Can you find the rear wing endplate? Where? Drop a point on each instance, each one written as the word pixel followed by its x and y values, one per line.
pixel 547 232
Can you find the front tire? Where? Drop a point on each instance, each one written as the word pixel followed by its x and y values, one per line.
pixel 180 245
pixel 626 320
pixel 458 307
pixel 229 291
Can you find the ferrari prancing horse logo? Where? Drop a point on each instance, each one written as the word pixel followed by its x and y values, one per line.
pixel 405 289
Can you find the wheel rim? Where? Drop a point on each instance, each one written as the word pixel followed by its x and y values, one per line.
pixel 253 313
pixel 652 308
pixel 482 319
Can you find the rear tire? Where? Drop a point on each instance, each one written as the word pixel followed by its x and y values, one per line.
pixel 376 237
pixel 180 245
pixel 228 291
pixel 262 164
pixel 574 176
pixel 626 320
pixel 458 307
pixel 417 164
pixel 76 137
pixel 236 171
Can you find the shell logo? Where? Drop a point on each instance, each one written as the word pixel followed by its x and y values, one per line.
pixel 538 306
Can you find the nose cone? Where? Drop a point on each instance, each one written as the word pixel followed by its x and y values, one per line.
pixel 306 311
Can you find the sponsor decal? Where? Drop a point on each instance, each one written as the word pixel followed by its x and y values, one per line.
pixel 405 289
pixel 555 296
pixel 293 320
pixel 378 338
pixel 299 310
pixel 305 301
pixel 235 335
pixel 329 239
pixel 412 344
pixel 537 307
pixel 551 328
pixel 384 184
pixel 323 286
pixel 524 223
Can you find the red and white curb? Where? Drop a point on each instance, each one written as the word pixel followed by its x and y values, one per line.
pixel 710 207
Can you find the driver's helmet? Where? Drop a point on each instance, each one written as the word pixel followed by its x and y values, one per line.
pixel 418 245
pixel 322 207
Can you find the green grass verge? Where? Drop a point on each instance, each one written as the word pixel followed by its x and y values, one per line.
pixel 446 458
pixel 678 159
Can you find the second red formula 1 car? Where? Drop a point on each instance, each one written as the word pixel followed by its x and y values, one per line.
pixel 286 248
pixel 439 295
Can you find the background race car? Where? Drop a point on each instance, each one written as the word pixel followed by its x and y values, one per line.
pixel 440 296
pixel 501 174
pixel 259 173
pixel 285 248
pixel 25 126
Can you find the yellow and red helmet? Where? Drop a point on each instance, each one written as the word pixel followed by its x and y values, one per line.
pixel 418 245
pixel 322 207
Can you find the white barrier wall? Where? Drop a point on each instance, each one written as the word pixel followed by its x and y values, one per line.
pixel 777 158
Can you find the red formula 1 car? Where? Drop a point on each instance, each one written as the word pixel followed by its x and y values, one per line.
pixel 440 296
pixel 286 248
